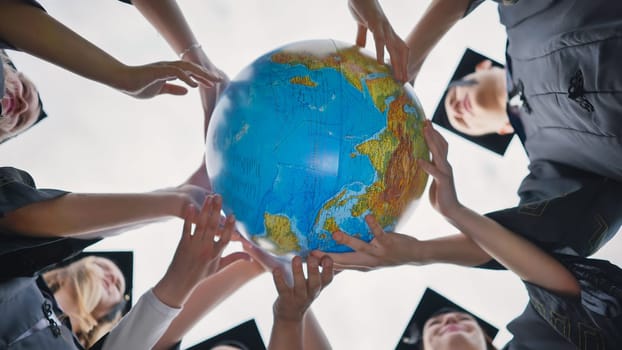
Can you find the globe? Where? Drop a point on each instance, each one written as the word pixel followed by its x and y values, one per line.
pixel 309 139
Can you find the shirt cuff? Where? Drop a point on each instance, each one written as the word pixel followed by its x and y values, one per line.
pixel 143 326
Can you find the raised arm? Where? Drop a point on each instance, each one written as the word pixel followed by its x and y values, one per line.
pixel 65 48
pixel 197 257
pixel 525 259
pixel 209 294
pixel 168 19
pixel 438 19
pixel 290 308
pixel 76 214
pixel 393 249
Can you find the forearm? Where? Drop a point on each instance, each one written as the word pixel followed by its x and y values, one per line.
pixel 524 258
pixel 456 249
pixel 286 334
pixel 169 21
pixel 58 45
pixel 76 214
pixel 142 326
pixel 206 296
pixel 312 333
pixel 436 21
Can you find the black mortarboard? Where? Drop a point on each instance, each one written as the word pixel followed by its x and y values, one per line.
pixel 125 261
pixel 432 304
pixel 244 336
pixel 42 113
pixel 493 142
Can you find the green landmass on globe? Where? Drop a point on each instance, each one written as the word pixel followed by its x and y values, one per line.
pixel 311 138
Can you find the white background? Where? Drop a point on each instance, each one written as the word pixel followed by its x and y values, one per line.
pixel 99 140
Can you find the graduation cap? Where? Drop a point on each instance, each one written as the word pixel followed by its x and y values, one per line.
pixel 244 336
pixel 433 304
pixel 493 142
pixel 125 261
pixel 5 58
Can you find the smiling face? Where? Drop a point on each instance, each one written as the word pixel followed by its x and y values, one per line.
pixel 453 330
pixel 20 103
pixel 478 106
pixel 112 286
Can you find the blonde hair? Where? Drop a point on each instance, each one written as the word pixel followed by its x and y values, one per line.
pixel 82 278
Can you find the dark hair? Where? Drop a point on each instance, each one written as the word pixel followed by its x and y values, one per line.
pixel 235 343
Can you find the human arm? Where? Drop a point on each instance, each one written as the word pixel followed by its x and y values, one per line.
pixel 524 258
pixel 370 16
pixel 314 337
pixel 168 19
pixel 75 214
pixel 292 303
pixel 394 249
pixel 197 257
pixel 437 20
pixel 65 48
pixel 207 295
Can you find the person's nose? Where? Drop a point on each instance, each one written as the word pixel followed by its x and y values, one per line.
pixel 457 107
pixel 450 318
pixel 22 105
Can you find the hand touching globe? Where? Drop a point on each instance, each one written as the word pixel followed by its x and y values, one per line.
pixel 309 139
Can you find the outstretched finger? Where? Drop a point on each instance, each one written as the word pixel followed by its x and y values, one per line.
pixel 172 89
pixel 374 226
pixel 399 58
pixel 278 275
pixel 361 35
pixel 379 43
pixel 328 271
pixel 213 217
pixel 189 213
pixel 436 142
pixel 300 285
pixel 348 261
pixel 201 225
pixel 314 284
pixel 173 69
pixel 430 168
pixel 227 232
pixel 354 243
pixel 200 73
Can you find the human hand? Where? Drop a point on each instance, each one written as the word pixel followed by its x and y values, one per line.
pixel 369 16
pixel 385 249
pixel 293 302
pixel 198 254
pixel 149 80
pixel 267 261
pixel 442 191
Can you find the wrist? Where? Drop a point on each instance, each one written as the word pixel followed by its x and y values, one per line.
pixel 290 317
pixel 170 293
pixel 457 215
pixel 173 202
pixel 189 51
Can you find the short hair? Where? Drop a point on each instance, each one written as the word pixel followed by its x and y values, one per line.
pixel 493 142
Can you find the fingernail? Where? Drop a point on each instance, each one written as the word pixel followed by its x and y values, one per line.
pixel 337 236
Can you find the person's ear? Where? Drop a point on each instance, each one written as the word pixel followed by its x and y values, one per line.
pixel 483 65
pixel 506 129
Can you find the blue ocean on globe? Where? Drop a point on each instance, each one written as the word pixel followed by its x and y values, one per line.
pixel 298 148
